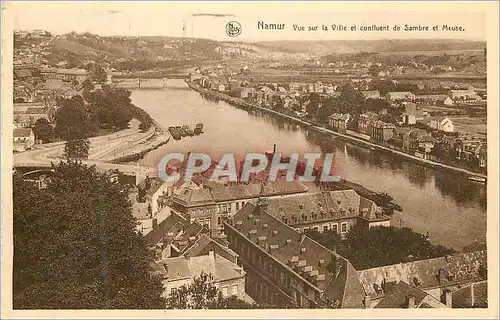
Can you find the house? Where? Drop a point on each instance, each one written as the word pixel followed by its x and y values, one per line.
pixel 337 211
pixel 435 276
pixel 382 131
pixel 242 93
pixel 338 122
pixel 150 191
pixel 181 271
pixel 287 268
pixel 416 137
pixel 461 94
pixel 401 138
pixel 442 124
pixel 434 99
pixel 400 96
pixel 374 94
pixel 24 139
pixel 412 114
pixel 64 74
pixel 365 123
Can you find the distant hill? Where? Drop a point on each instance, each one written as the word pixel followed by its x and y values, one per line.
pixel 352 46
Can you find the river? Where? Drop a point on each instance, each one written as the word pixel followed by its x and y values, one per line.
pixel 447 206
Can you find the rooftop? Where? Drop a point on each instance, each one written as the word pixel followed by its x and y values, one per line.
pixel 190 267
pixel 398 298
pixel 327 205
pixel 426 273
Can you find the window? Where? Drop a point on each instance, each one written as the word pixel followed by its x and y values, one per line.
pixel 173 290
pixel 224 291
pixel 207 222
pixel 343 227
pixel 316 229
pixel 218 221
pixel 325 228
pixel 200 221
pixel 235 289
pixel 335 228
pixel 237 206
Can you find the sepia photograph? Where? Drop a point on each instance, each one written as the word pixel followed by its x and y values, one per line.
pixel 175 156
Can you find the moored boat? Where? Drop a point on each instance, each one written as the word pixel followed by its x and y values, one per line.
pixel 199 128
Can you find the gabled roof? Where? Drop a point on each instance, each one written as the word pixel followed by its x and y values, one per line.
pixel 157 234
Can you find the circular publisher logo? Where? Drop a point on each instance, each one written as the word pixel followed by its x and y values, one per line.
pixel 233 28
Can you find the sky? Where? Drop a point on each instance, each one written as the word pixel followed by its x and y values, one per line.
pixel 169 19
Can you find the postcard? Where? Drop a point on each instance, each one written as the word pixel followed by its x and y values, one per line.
pixel 249 159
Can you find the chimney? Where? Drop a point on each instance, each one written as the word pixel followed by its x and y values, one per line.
pixel 211 254
pixel 410 301
pixel 155 223
pixel 288 241
pixel 441 276
pixel 367 301
pixel 446 297
pixel 274 148
pixel 187 256
pixel 262 206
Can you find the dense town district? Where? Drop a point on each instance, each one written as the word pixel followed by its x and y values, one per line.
pixel 94 227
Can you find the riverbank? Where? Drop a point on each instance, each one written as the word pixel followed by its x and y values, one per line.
pixel 159 137
pixel 350 138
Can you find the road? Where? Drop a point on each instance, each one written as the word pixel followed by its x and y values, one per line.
pixel 100 148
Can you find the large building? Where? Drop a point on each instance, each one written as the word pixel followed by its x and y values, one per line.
pixel 337 211
pixel 212 203
pixel 286 268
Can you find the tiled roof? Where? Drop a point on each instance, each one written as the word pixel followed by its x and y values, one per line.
pixel 397 298
pixel 460 268
pixel 219 193
pixel 157 234
pixel 181 267
pixel 323 206
pixel 475 294
pixel 322 268
pixel 205 243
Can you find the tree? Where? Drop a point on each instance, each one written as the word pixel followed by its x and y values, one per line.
pixel 312 106
pixel 88 85
pixel 374 70
pixel 75 245
pixel 77 149
pixel 43 130
pixel 71 119
pixel 379 246
pixel 202 294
